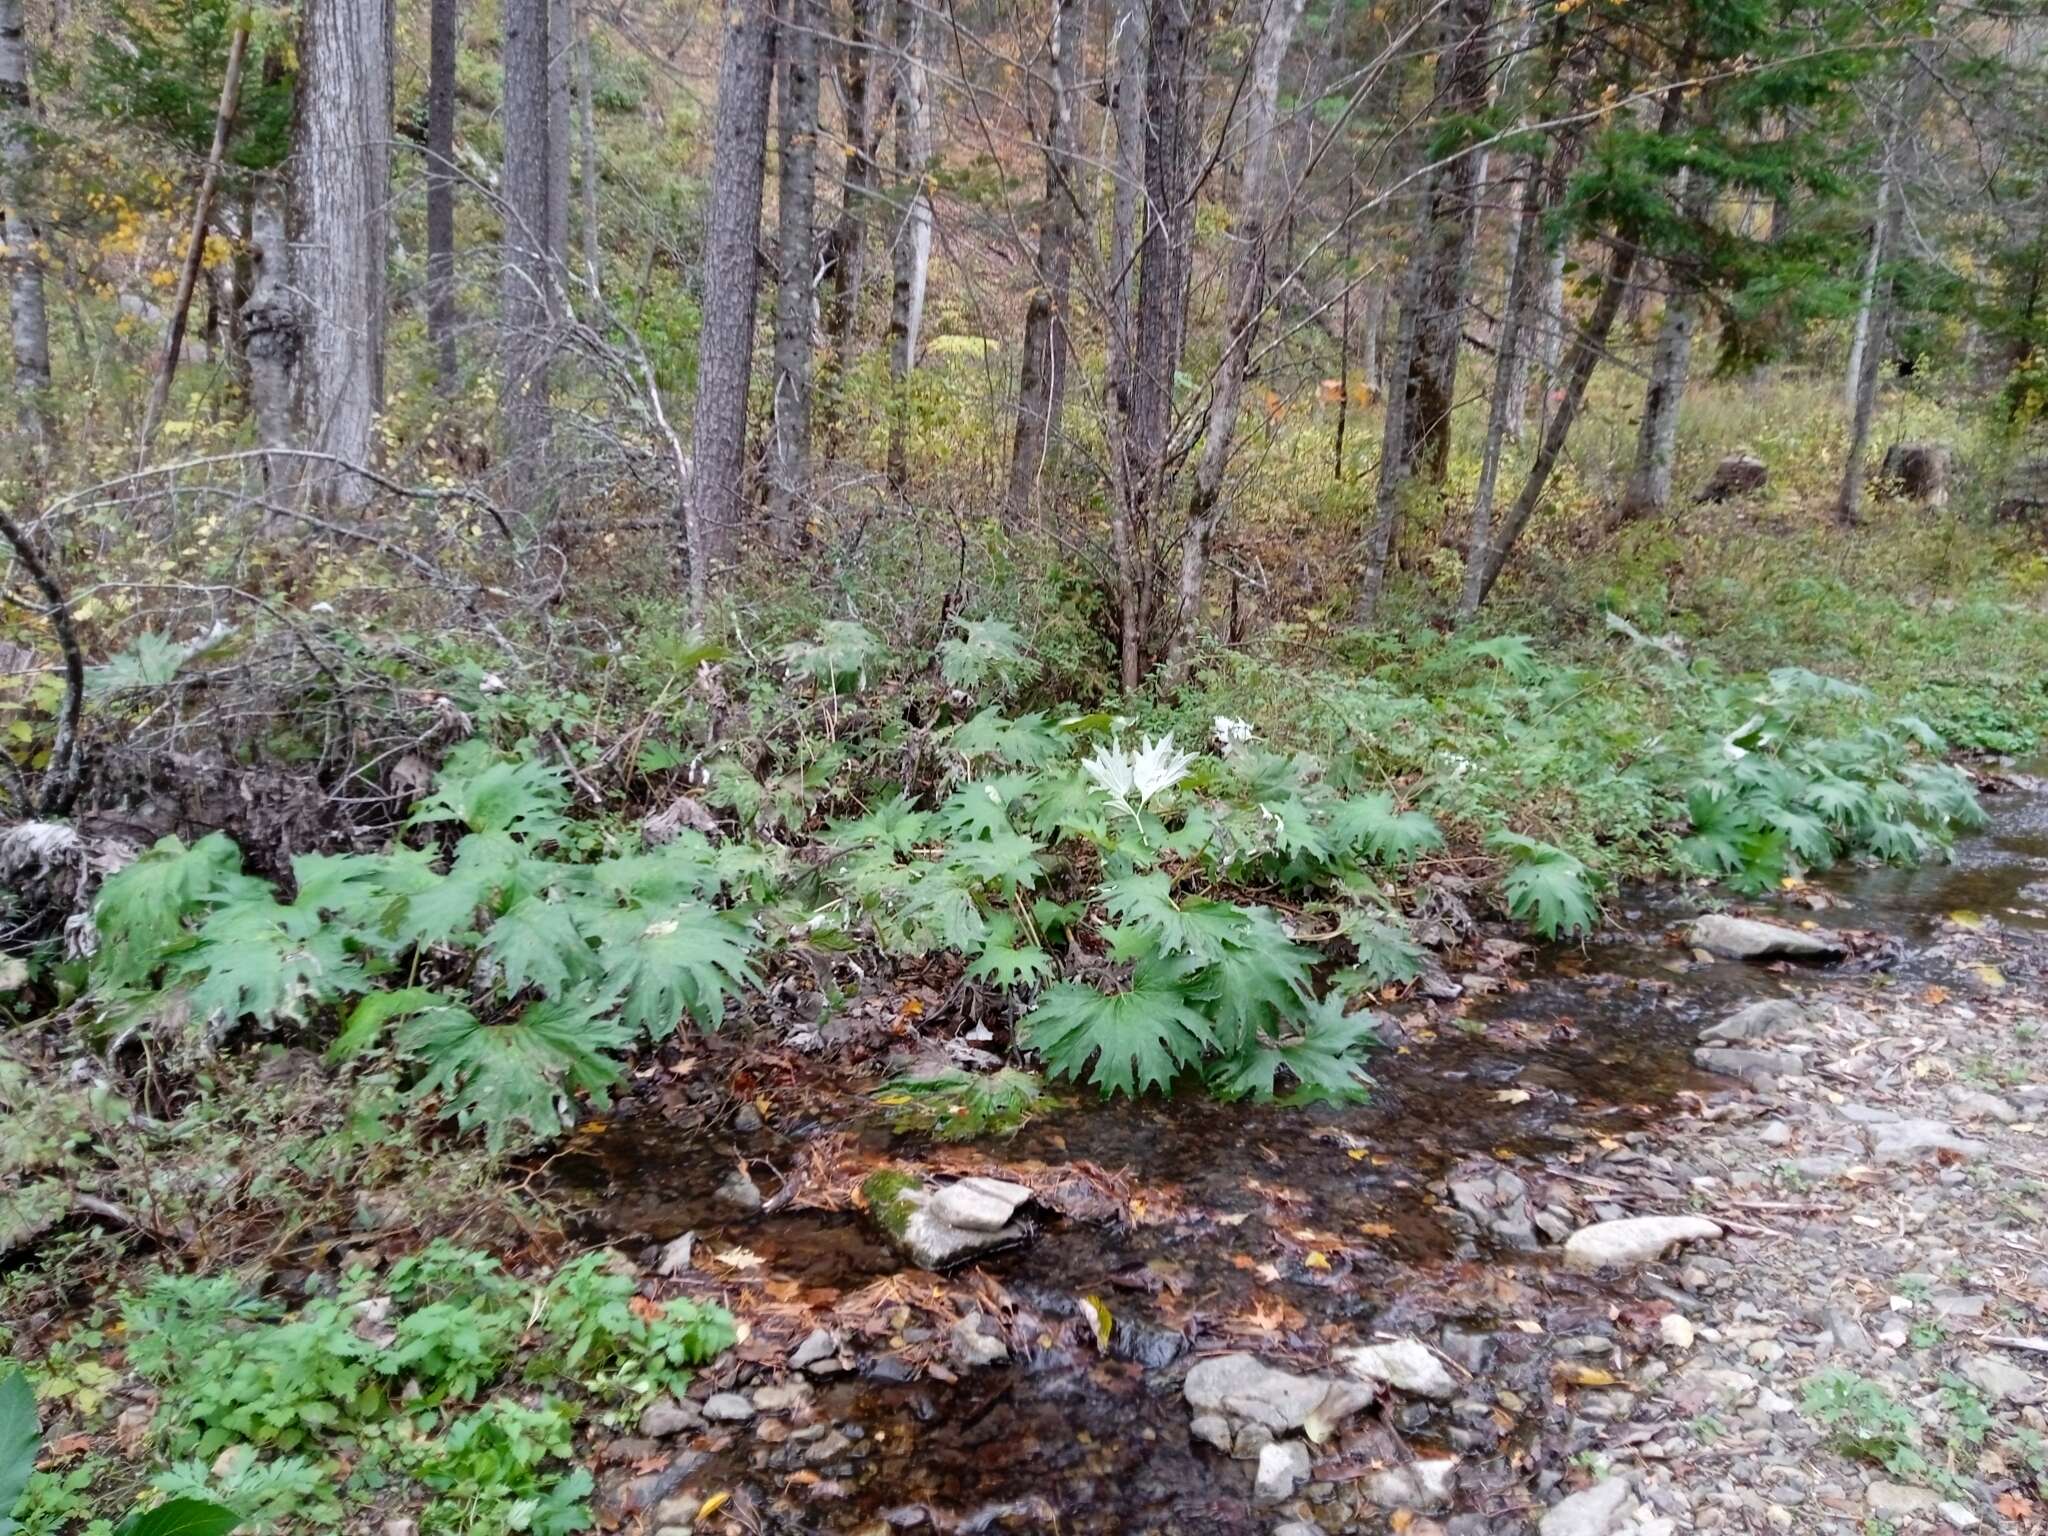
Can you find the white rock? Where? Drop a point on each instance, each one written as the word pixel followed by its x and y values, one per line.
pixel 1421 1485
pixel 1747 938
pixel 1406 1365
pixel 1907 1141
pixel 979 1204
pixel 1243 1387
pixel 1594 1511
pixel 2000 1379
pixel 1975 1104
pixel 1889 1501
pixel 1282 1467
pixel 1956 1513
pixel 1676 1330
pixel 1759 1021
pixel 1633 1240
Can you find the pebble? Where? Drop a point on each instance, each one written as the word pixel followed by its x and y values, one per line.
pixel 1594 1511
pixel 1633 1240
pixel 1407 1365
pixel 1283 1466
pixel 728 1408
pixel 670 1416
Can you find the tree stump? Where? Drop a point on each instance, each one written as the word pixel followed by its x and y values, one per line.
pixel 1737 475
pixel 1918 472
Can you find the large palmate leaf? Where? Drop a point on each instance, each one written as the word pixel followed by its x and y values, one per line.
pixel 522 1073
pixel 256 958
pixel 893 824
pixel 536 943
pixel 1322 1056
pixel 1027 740
pixel 181 1517
pixel 1199 927
pixel 1545 886
pixel 986 651
pixel 1387 953
pixel 143 909
pixel 672 964
pixel 1123 1042
pixel 1003 962
pixel 1371 827
pixel 518 795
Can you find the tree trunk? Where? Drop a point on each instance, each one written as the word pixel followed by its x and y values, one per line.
pixel 1649 484
pixel 1247 303
pixel 716 497
pixel 586 114
pixel 1492 558
pixel 1449 222
pixel 195 242
pixel 1128 110
pixel 341 184
pixel 1859 336
pixel 443 40
pixel 561 62
pixel 1416 437
pixel 273 328
pixel 1042 373
pixel 845 255
pixel 912 249
pixel 529 275
pixel 1515 328
pixel 1872 324
pixel 1550 351
pixel 1174 69
pixel 29 321
pixel 796 261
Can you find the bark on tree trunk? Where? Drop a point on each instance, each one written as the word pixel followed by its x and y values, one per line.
pixel 1550 351
pixel 716 497
pixel 1515 328
pixel 1444 260
pixel 560 59
pixel 443 39
pixel 1042 373
pixel 529 273
pixel 845 254
pixel 1874 321
pixel 1248 301
pixel 586 114
pixel 1649 485
pixel 195 243
pixel 1129 186
pixel 1173 112
pixel 796 261
pixel 1416 439
pixel 1492 558
pixel 1859 336
pixel 912 249
pixel 341 183
pixel 274 332
pixel 29 321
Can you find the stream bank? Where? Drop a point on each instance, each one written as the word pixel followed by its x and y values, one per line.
pixel 1874 1168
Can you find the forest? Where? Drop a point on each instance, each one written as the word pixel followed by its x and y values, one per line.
pixel 1106 766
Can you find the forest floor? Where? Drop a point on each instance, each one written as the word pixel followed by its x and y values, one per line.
pixel 1859 1349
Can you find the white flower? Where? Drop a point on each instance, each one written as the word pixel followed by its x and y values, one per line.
pixel 1231 733
pixel 1155 767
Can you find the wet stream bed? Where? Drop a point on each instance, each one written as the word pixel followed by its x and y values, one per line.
pixel 1283 1232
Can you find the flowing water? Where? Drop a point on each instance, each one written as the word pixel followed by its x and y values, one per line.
pixel 1588 1042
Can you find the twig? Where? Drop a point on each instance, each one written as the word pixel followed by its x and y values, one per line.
pixel 61 779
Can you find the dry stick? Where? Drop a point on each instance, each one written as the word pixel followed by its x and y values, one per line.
pixel 61 779
pixel 195 246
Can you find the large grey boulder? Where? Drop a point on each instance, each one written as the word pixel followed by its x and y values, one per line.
pixel 1633 1240
pixel 1918 471
pixel 1749 938
pixel 979 1204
